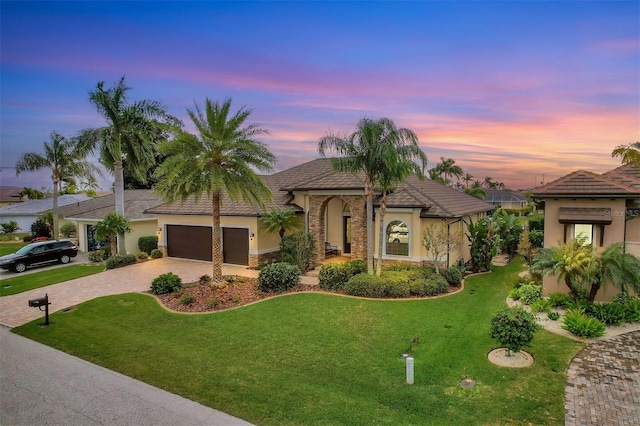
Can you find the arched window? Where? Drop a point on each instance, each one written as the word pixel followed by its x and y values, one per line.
pixel 397 238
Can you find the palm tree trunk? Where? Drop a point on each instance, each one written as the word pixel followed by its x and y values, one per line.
pixel 216 249
pixel 381 236
pixel 119 194
pixel 595 287
pixel 56 180
pixel 368 189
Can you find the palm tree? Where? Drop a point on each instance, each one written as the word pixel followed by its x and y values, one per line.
pixel 367 150
pixel 281 221
pixel 618 268
pixel 111 226
pixel 132 131
pixel 448 169
pixel 574 262
pixel 435 174
pixel 630 153
pixel 220 160
pixel 466 179
pixel 489 183
pixel 65 161
pixel 476 191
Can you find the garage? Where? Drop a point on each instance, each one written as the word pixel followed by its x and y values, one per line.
pixel 189 242
pixel 194 242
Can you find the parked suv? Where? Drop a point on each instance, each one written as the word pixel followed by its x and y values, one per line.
pixel 39 253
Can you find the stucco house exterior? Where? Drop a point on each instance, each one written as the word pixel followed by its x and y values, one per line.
pixel 27 212
pixel 603 209
pixel 332 206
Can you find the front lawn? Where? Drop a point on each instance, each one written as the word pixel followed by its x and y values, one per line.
pixel 19 283
pixel 11 247
pixel 321 359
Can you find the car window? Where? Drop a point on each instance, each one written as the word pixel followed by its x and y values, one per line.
pixel 24 250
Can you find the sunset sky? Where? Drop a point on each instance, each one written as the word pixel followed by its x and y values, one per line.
pixel 511 90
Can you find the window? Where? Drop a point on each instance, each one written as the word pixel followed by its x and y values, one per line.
pixel 583 233
pixel 397 238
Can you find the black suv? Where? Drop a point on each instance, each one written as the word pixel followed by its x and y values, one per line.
pixel 39 253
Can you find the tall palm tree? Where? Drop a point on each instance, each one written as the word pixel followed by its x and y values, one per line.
pixel 448 169
pixel 220 160
pixel 132 131
pixel 574 262
pixel 281 221
pixel 65 161
pixel 615 266
pixel 489 183
pixel 366 150
pixel 630 153
pixel 466 179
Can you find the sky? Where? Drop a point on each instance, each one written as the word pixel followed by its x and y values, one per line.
pixel 523 92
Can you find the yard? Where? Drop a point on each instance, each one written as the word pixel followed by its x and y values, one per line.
pixel 19 283
pixel 310 358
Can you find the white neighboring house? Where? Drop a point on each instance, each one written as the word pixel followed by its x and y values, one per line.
pixel 27 212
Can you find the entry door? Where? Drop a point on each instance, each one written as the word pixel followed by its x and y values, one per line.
pixel 347 234
pixel 235 246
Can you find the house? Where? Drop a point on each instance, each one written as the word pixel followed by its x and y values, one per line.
pixel 602 209
pixel 506 199
pixel 27 212
pixel 87 213
pixel 332 205
pixel 10 195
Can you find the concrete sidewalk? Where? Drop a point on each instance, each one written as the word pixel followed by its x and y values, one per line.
pixel 41 385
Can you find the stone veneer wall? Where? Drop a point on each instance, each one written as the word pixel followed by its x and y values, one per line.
pixel 264 258
pixel 357 206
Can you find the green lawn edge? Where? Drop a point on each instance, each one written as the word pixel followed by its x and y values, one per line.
pixel 323 359
pixel 22 283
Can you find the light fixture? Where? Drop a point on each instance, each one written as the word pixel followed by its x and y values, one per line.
pixel 251 236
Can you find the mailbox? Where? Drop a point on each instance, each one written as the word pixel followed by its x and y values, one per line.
pixel 39 303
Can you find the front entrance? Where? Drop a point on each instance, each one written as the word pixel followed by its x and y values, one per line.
pixel 346 235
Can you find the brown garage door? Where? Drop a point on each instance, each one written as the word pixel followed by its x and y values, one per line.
pixel 190 242
pixel 235 246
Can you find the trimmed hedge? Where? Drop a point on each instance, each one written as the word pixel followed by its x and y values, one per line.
pixel 166 283
pixel 147 244
pixel 396 283
pixel 155 254
pixel 453 275
pixel 365 285
pixel 120 260
pixel 333 276
pixel 278 277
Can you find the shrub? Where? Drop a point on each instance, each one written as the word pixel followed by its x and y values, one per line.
pixel 147 244
pixel 204 279
pixel 333 276
pixel 213 303
pixel 429 286
pixel 143 255
pixel 608 313
pixel 187 299
pixel 396 283
pixel 296 249
pixel 355 267
pixel 514 294
pixel 96 256
pixel 553 315
pixel 536 238
pixel 452 275
pixel 155 254
pixel 513 328
pixel 529 293
pixel 541 305
pixel 120 260
pixel 27 238
pixel 40 228
pixel 365 285
pixel 576 322
pixel 67 229
pixel 278 277
pixel 560 300
pixel 401 267
pixel 166 283
pixel 632 310
pixel 230 279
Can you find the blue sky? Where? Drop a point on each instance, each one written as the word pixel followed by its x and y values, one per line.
pixel 511 90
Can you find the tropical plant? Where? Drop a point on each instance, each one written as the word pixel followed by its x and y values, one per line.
pixel 466 178
pixel 573 262
pixel 112 226
pixel 476 191
pixel 65 161
pixel 513 328
pixel 132 131
pixel 484 241
pixel 31 193
pixel 296 249
pixel 9 228
pixel 367 150
pixel 219 161
pixel 281 221
pixel 509 231
pixel 617 267
pixel 525 248
pixel 448 169
pixel 630 153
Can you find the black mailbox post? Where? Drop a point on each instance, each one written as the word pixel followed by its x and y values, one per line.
pixel 39 303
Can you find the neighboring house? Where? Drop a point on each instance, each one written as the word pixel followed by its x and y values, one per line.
pixel 505 199
pixel 603 209
pixel 27 212
pixel 333 207
pixel 9 195
pixel 86 214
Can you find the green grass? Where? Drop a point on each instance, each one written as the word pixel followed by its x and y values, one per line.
pixel 20 283
pixel 322 359
pixel 11 247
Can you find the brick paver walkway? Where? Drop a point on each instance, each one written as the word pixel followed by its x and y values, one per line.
pixel 603 383
pixel 15 310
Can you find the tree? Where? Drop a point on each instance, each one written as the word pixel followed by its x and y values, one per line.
pixel 31 193
pixel 220 160
pixel 476 191
pixel 133 129
pixel 436 175
pixel 615 266
pixel 489 183
pixel 111 226
pixel 281 221
pixel 65 161
pixel 366 150
pixel 466 179
pixel 513 328
pixel 9 228
pixel 484 241
pixel 67 229
pixel 448 169
pixel 630 153
pixel 437 240
pixel 574 262
pixel 525 248
pixel 296 249
pixel 40 228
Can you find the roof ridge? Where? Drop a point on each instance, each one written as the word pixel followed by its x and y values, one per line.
pixel 431 199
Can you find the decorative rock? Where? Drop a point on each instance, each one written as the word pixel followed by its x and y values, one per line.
pixel 516 360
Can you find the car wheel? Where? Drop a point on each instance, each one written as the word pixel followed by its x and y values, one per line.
pixel 20 267
pixel 64 259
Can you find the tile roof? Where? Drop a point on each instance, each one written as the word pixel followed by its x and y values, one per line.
pixel 627 175
pixel 586 184
pixel 136 201
pixel 10 194
pixel 34 207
